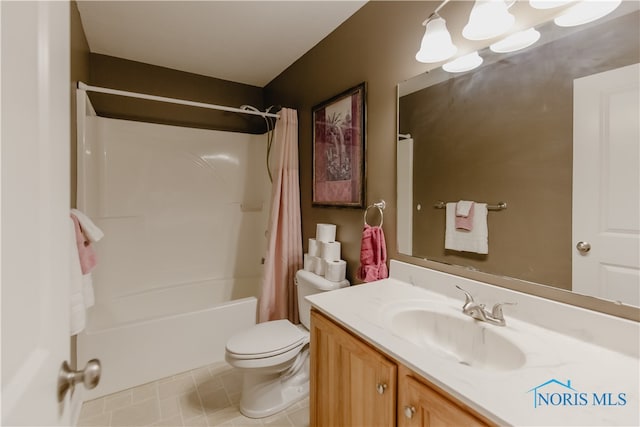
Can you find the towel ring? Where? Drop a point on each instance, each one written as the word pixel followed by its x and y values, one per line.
pixel 380 205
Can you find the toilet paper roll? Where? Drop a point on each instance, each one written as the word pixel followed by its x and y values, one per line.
pixel 319 266
pixel 326 232
pixel 336 271
pixel 330 251
pixel 314 247
pixel 313 262
pixel 308 263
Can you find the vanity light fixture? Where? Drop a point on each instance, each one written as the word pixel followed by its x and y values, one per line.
pixel 436 43
pixel 488 19
pixel 548 4
pixel 586 11
pixel 464 63
pixel 516 41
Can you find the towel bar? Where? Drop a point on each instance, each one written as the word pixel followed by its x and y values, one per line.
pixel 380 205
pixel 500 206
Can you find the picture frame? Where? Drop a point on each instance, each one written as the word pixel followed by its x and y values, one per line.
pixel 338 147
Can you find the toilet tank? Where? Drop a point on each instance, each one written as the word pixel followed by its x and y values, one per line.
pixel 309 283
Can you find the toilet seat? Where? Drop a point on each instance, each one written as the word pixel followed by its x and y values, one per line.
pixel 266 340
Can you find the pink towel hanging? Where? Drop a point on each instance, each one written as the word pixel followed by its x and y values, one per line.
pixel 373 255
pixel 88 259
pixel 465 222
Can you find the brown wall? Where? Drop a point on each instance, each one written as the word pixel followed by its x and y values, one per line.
pixel 376 45
pixel 79 72
pixel 122 74
pixel 516 146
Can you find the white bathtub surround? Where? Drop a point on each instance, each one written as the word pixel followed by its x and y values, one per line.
pixel 184 212
pixel 165 230
pixel 545 347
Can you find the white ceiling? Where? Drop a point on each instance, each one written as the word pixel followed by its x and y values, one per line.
pixel 249 42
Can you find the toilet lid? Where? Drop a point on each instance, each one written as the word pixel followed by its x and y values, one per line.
pixel 267 339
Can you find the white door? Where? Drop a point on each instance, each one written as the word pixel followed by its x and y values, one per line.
pixel 606 185
pixel 35 210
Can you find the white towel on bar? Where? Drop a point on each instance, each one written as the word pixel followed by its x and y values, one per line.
pixel 77 306
pixel 476 240
pixel 87 291
pixel 90 230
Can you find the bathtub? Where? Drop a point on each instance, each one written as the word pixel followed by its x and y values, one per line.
pixel 136 348
pixel 184 213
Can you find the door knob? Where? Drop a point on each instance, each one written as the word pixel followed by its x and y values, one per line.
pixel 381 387
pixel 583 247
pixel 89 376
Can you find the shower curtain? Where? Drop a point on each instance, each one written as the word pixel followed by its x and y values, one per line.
pixel 278 299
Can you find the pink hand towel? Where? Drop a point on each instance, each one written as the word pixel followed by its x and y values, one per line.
pixel 373 255
pixel 465 222
pixel 86 253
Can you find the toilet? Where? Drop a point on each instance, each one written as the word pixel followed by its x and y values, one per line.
pixel 274 356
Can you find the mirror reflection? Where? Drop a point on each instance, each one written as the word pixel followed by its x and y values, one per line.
pixel 552 131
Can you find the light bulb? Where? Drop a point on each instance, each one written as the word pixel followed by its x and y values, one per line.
pixel 516 41
pixel 436 44
pixel 464 63
pixel 548 4
pixel 488 19
pixel 586 11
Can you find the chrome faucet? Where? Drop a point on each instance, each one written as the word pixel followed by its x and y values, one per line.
pixel 478 311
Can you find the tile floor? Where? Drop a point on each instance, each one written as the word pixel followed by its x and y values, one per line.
pixel 207 396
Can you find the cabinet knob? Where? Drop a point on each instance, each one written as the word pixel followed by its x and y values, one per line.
pixel 381 387
pixel 409 411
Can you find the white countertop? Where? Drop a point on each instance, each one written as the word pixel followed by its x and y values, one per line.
pixel 504 396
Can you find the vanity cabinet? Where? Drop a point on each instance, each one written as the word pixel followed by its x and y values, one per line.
pixel 354 384
pixel 419 404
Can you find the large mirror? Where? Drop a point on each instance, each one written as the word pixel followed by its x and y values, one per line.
pixel 552 131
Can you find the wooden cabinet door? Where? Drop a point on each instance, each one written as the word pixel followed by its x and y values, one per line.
pixel 352 384
pixel 423 406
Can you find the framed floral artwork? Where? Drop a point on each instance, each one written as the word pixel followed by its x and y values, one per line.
pixel 339 150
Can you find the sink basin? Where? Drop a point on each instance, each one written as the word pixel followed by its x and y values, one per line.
pixel 457 337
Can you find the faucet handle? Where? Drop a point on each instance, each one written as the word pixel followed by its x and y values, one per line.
pixel 496 311
pixel 467 295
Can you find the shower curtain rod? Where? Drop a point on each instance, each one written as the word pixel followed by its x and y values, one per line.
pixel 89 88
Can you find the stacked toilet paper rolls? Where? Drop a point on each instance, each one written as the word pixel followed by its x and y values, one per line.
pixel 314 247
pixel 330 251
pixel 307 262
pixel 335 271
pixel 326 232
pixel 323 254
